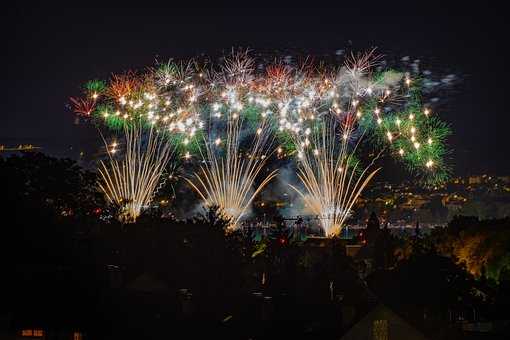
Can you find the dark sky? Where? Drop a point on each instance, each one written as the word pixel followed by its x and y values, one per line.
pixel 50 52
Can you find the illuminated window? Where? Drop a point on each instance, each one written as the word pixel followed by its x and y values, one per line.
pixel 39 333
pixel 77 336
pixel 380 330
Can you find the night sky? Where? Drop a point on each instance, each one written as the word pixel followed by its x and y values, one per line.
pixel 51 52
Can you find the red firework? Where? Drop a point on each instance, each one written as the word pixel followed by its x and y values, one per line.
pixel 348 121
pixel 83 106
pixel 278 73
pixel 122 85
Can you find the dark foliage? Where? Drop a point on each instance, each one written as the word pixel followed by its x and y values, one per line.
pixel 67 265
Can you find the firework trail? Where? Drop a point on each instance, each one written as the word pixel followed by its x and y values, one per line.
pixel 227 178
pixel 332 177
pixel 228 175
pixel 129 183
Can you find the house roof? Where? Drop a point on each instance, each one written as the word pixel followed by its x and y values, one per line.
pixel 384 322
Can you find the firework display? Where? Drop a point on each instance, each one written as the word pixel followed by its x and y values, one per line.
pixel 227 177
pixel 129 183
pixel 231 118
pixel 332 177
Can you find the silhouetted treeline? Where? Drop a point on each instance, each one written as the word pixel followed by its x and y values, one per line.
pixel 68 264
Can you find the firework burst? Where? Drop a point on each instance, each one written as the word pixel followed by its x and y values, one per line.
pixel 332 177
pixel 83 106
pixel 130 183
pixel 227 178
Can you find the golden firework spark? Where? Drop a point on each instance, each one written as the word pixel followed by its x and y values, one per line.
pixel 332 178
pixel 227 178
pixel 130 182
